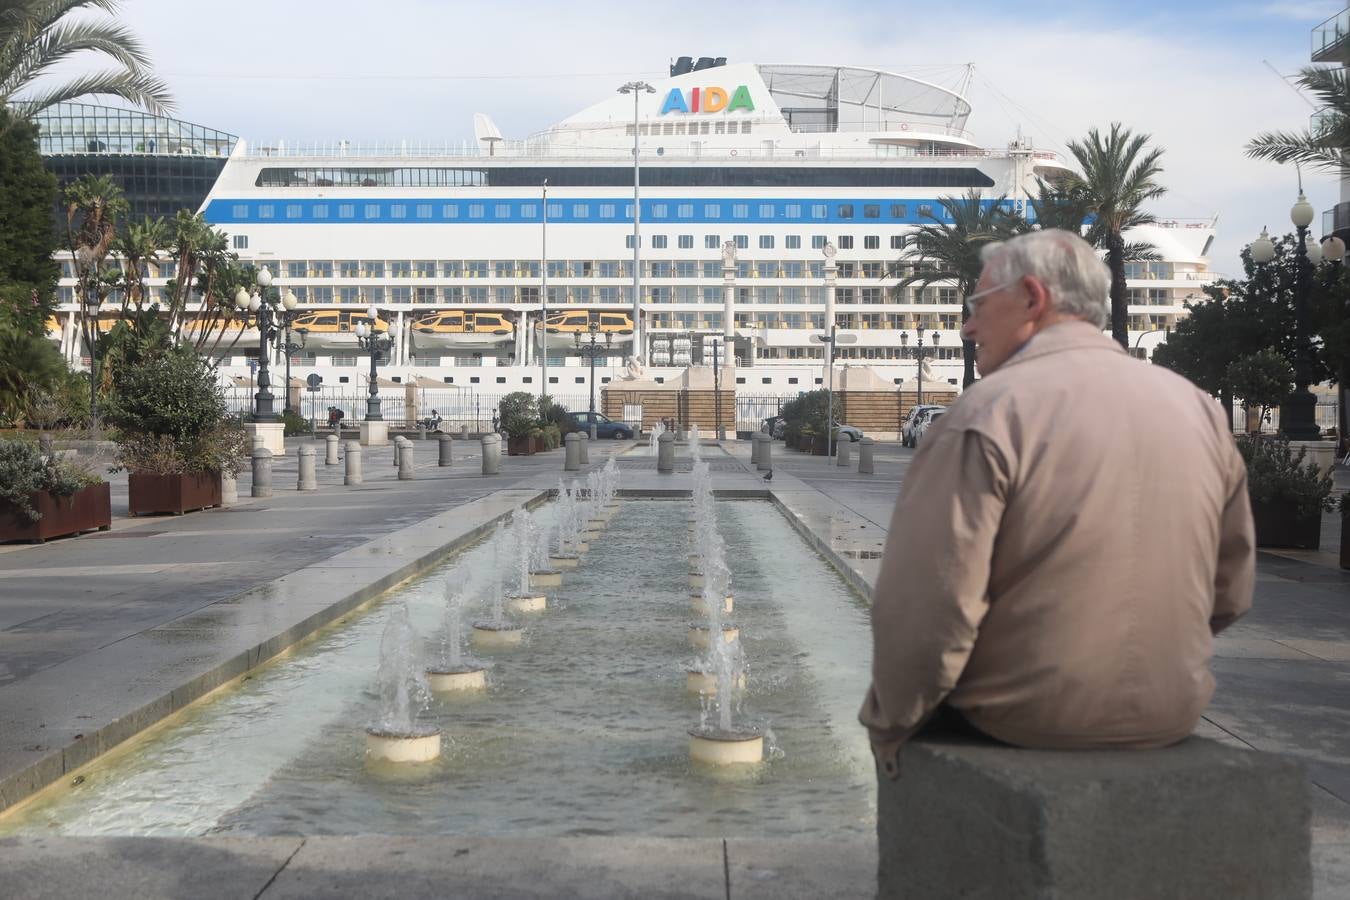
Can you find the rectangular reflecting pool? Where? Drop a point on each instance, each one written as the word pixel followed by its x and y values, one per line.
pixel 583 730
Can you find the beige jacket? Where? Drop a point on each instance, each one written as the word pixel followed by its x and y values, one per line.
pixel 1068 537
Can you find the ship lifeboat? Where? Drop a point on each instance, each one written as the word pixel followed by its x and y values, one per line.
pixel 230 332
pixel 614 328
pixel 459 328
pixel 332 329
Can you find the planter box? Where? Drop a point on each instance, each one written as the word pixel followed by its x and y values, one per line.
pixel 177 494
pixel 87 509
pixel 818 445
pixel 1278 525
pixel 520 446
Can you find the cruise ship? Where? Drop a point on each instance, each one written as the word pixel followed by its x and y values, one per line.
pixel 488 258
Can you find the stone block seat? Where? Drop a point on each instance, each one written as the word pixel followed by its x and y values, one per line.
pixel 970 819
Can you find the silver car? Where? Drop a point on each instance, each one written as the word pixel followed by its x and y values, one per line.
pixel 926 423
pixel 909 431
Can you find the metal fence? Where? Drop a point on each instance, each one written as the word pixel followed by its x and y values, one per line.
pixel 1327 417
pixel 753 409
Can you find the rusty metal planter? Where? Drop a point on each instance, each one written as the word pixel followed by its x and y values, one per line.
pixel 87 509
pixel 177 494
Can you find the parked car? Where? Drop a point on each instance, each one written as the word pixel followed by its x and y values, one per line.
pixel 775 427
pixel 851 432
pixel 909 429
pixel 926 423
pixel 605 427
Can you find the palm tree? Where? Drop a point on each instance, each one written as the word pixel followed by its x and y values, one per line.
pixel 93 204
pixel 1323 146
pixel 138 246
pixel 1119 173
pixel 939 252
pixel 37 35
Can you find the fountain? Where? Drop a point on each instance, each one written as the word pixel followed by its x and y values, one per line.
pixel 497 631
pixel 396 735
pixel 455 671
pixel 526 598
pixel 659 430
pixel 695 449
pixel 566 556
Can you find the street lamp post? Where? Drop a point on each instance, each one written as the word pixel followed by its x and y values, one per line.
pixel 637 89
pixel 832 339
pixel 370 340
pixel 270 319
pixel 288 302
pixel 1298 411
pixel 591 349
pixel 919 355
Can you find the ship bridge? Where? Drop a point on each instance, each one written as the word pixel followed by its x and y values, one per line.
pixel 831 99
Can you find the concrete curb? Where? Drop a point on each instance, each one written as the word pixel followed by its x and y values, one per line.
pixel 27 770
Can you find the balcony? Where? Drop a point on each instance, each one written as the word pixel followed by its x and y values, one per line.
pixel 1328 39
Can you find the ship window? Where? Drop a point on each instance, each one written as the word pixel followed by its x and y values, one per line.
pixel 658 242
pixel 555 210
pixel 320 210
pixel 871 242
pixel 660 211
pixel 743 241
pixel 793 211
pixel 475 210
pixel 686 242
pixel 266 211
pixel 450 210
pixel 607 210
pixel 501 211
pixel 293 211
pixel 452 320
pixel 240 211
pixel 372 211
pixel 766 210
pixel 719 127
pixel 424 210
pixel 712 241
pixel 621 321
pixel 766 242
pixel 529 211
pixel 845 210
pixel 845 242
pixel 925 210
pixel 398 211
pixel 898 211
pixel 241 242
pixel 818 242
pixel 740 210
pixel 793 242
pixel 897 242
pixel 628 241
pixel 871 210
pixel 817 210
pixel 745 127
pixel 712 211
pixel 685 210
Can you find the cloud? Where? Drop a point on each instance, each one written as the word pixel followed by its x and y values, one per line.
pixel 1308 11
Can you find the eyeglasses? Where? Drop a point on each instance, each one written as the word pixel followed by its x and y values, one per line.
pixel 972 300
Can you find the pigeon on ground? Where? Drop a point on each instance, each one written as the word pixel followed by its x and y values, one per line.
pixel 768 476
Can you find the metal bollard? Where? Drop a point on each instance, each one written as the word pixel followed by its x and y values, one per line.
pixel 665 453
pixel 755 444
pixel 421 432
pixel 843 451
pixel 766 453
pixel 865 465
pixel 406 461
pixel 492 453
pixel 331 452
pixel 445 448
pixel 585 451
pixel 353 463
pixel 307 480
pixel 262 472
pixel 572 453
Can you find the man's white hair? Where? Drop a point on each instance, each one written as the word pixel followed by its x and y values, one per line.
pixel 1078 281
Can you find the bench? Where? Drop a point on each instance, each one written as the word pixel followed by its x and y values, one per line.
pixel 1196 820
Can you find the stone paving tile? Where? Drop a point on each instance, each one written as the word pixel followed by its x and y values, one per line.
pixel 759 869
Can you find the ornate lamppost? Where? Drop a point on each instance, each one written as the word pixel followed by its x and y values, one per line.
pixel 591 349
pixel 1298 412
pixel 637 89
pixel 374 343
pixel 918 354
pixel 270 315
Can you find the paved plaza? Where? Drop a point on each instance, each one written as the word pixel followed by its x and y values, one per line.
pixel 105 634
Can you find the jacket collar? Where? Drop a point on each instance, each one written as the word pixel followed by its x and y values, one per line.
pixel 1072 335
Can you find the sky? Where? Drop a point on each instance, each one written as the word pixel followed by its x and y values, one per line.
pixel 1199 76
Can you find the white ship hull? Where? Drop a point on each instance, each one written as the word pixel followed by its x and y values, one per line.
pixel 433 341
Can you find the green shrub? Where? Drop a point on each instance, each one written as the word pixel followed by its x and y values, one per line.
pixel 552 436
pixel 295 424
pixel 1275 474
pixel 551 412
pixel 24 469
pixel 519 414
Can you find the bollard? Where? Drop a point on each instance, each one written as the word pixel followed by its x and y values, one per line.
pixel 445 448
pixel 843 450
pixel 307 480
pixel 398 442
pixel 766 453
pixel 572 454
pixel 331 453
pixel 665 452
pixel 229 488
pixel 755 444
pixel 865 465
pixel 353 463
pixel 262 472
pixel 258 441
pixel 464 432
pixel 492 450
pixel 585 448
pixel 406 461
pixel 421 432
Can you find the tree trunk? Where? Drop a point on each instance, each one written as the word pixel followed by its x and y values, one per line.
pixel 1120 312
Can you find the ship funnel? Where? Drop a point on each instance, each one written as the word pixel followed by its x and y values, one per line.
pixel 682 66
pixel 704 62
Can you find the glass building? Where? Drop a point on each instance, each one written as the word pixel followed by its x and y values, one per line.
pixel 162 164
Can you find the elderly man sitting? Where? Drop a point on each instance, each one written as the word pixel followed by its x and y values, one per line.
pixel 1068 537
